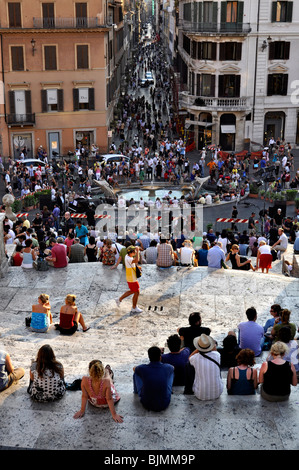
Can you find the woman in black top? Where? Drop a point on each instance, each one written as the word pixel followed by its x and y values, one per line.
pixel 91 250
pixel 237 261
pixel 277 375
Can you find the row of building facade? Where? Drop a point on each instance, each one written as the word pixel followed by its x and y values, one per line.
pixel 236 67
pixel 64 64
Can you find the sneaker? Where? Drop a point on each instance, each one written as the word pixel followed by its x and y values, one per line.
pixel 117 301
pixel 136 310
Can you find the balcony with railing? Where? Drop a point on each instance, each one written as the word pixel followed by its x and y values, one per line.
pixel 20 119
pixel 68 23
pixel 215 28
pixel 200 103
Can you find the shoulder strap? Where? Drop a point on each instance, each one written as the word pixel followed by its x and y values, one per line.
pixel 210 359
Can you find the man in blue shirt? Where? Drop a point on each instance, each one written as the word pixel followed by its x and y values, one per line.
pixel 153 381
pixel 251 334
pixel 216 256
pixel 178 357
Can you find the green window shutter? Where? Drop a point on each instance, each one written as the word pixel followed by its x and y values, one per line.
pixel 274 12
pixel 59 99
pixel 44 101
pixel 223 12
pixel 215 12
pixel 221 86
pixel 12 105
pixel 91 99
pixel 76 99
pixel 237 86
pixel 287 50
pixel 28 101
pixel 240 12
pixel 239 51
pixel 270 85
pixel 222 51
pixel 285 79
pixel 214 51
pixel 289 12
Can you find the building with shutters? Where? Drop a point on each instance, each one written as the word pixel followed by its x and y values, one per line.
pixel 61 70
pixel 238 69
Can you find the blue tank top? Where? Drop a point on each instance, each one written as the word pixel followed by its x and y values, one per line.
pixel 27 258
pixel 242 386
pixel 39 321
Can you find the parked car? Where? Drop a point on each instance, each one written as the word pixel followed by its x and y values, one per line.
pixel 149 77
pixel 114 158
pixel 35 162
pixel 144 83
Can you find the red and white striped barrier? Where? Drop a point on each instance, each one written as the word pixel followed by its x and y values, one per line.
pixel 84 216
pixel 25 214
pixel 236 221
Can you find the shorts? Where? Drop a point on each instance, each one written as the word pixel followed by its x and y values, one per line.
pixel 134 286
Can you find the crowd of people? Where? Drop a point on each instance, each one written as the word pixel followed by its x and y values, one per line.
pixel 193 360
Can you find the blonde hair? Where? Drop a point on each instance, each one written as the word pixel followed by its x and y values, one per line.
pixel 279 349
pixel 70 299
pixel 285 315
pixel 235 247
pixel 44 298
pixel 96 369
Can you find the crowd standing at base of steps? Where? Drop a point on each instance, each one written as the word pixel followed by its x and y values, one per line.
pixel 193 360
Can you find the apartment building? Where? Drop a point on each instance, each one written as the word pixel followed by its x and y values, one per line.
pixel 61 68
pixel 239 71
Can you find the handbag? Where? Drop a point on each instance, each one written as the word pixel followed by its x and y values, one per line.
pixel 42 265
pixel 138 272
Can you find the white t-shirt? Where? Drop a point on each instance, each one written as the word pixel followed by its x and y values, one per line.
pixel 283 241
pixel 265 250
pixel 186 255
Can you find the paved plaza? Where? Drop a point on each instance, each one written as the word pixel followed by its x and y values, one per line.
pixel 121 339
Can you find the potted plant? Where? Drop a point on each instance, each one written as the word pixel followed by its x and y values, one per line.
pixel 291 196
pixel 262 193
pixel 16 206
pixel 29 202
pixel 253 190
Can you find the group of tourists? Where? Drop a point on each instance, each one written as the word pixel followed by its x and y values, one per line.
pixel 193 360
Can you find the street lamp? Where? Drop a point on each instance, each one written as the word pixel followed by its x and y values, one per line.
pixel 33 46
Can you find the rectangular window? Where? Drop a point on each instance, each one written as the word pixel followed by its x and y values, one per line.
pixel 277 84
pixel 48 15
pixel 230 51
pixel 52 100
pixel 232 12
pixel 279 50
pixel 207 85
pixel 208 12
pixel 82 56
pixel 282 12
pixel 83 98
pixel 14 14
pixel 229 86
pixel 17 58
pixel 81 15
pixel 206 51
pixel 50 58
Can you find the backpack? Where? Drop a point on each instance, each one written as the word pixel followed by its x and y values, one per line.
pixel 108 257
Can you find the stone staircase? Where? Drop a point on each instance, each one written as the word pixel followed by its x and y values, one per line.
pixel 121 340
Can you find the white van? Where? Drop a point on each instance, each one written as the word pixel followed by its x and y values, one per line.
pixel 35 162
pixel 114 158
